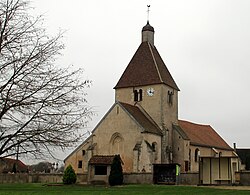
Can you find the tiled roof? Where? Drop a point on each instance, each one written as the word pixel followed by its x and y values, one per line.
pixel 101 160
pixel 142 119
pixel 9 162
pixel 146 68
pixel 148 27
pixel 203 135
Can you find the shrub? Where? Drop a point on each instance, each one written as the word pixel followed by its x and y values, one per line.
pixel 116 174
pixel 69 176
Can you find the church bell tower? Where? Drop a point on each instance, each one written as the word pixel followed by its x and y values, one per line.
pixel 147 83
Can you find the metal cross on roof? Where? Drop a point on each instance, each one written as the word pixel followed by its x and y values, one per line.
pixel 148 12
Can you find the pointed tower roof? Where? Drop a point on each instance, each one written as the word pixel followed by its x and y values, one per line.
pixel 148 27
pixel 146 67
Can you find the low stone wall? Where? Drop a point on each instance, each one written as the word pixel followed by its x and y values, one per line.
pixel 38 178
pixel 245 178
pixel 138 178
pixel 147 178
pixel 189 178
pixel 14 178
pixel 45 178
pixel 129 178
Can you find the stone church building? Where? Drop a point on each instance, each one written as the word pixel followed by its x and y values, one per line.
pixel 142 126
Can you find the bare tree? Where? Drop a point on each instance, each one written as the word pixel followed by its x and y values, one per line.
pixel 42 107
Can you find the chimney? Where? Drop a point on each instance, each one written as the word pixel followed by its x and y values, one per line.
pixel 234 146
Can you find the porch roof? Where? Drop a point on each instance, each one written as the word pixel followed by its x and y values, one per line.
pixel 101 160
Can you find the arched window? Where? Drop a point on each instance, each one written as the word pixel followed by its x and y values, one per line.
pixel 140 95
pixel 154 147
pixel 116 143
pixel 196 155
pixel 135 95
pixel 189 162
pixel 170 97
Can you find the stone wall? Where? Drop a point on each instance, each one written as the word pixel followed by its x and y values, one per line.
pixel 138 178
pixel 129 178
pixel 244 178
pixel 38 178
pixel 14 178
pixel 189 178
pixel 147 178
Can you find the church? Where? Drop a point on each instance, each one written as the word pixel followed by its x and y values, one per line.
pixel 143 127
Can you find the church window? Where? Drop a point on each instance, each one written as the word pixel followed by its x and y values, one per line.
pixel 189 162
pixel 117 110
pixel 170 97
pixel 138 95
pixel 80 164
pixel 155 150
pixel 116 143
pixel 100 170
pixel 83 152
pixel 196 155
pixel 154 146
pixel 135 95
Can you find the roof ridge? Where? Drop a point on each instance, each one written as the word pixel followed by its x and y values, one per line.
pixel 147 115
pixel 141 123
pixel 207 125
pixel 155 63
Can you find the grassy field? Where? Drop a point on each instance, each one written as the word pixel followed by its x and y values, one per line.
pixel 39 189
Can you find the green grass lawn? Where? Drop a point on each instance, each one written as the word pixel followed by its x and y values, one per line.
pixel 39 189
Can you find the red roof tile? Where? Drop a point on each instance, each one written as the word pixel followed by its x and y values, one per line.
pixel 101 160
pixel 203 135
pixel 9 162
pixel 146 68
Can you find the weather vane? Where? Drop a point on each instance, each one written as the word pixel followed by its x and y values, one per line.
pixel 148 12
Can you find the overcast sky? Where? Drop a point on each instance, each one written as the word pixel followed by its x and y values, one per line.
pixel 204 44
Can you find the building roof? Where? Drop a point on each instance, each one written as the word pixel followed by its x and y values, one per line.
pixel 101 160
pixel 147 64
pixel 142 118
pixel 9 162
pixel 203 135
pixel 148 27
